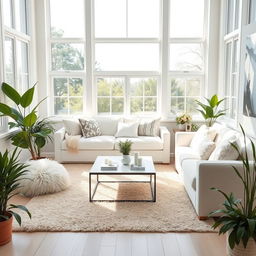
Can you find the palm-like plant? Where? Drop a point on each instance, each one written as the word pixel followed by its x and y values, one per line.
pixel 210 111
pixel 33 132
pixel 239 217
pixel 11 172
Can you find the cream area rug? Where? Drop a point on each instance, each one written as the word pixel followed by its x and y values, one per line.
pixel 70 210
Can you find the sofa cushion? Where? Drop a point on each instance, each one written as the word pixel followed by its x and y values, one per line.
pixel 183 153
pixel 89 127
pixel 205 149
pixel 94 143
pixel 108 125
pixel 72 127
pixel 146 143
pixel 127 129
pixel 149 127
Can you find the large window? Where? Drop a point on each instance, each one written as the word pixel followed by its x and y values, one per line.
pixel 67 45
pixel 186 55
pixel 231 56
pixel 115 49
pixel 16 45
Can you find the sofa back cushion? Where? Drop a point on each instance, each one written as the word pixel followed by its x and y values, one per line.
pixel 108 125
pixel 90 128
pixel 72 127
pixel 127 130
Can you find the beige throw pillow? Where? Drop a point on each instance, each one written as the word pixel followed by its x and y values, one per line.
pixel 205 149
pixel 72 127
pixel 149 127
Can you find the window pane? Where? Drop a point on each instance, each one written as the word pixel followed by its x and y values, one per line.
pixel 7 13
pixel 227 69
pixel 191 106
pixel 67 56
pixel 76 106
pixel 127 57
pixel 186 18
pixel 150 104
pixel 9 61
pixel 76 87
pixel 110 18
pixel 177 87
pixel 230 23
pixel 137 105
pixel 103 87
pixel 136 87
pixel 252 11
pixel 237 13
pixel 67 18
pixel 117 106
pixel 103 105
pixel 60 87
pixel 143 18
pixel 186 57
pixel 22 65
pixel 193 87
pixel 177 105
pixel 61 106
pixel 21 15
pixel 150 87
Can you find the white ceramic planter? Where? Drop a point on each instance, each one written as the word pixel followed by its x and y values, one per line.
pixel 126 159
pixel 181 127
pixel 239 250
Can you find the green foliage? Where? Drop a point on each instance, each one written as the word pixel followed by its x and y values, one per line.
pixel 33 133
pixel 125 147
pixel 239 217
pixel 11 172
pixel 210 111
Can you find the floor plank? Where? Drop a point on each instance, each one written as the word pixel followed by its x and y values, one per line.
pixel 170 244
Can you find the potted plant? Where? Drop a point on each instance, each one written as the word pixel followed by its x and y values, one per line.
pixel 125 149
pixel 11 172
pixel 238 217
pixel 182 120
pixel 210 111
pixel 33 132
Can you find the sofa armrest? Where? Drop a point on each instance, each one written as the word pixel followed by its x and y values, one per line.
pixel 218 174
pixel 59 137
pixel 183 139
pixel 165 136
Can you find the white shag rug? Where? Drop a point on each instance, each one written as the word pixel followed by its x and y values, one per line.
pixel 70 210
pixel 44 176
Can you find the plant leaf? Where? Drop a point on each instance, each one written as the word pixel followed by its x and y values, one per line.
pixel 27 97
pixel 11 93
pixel 30 119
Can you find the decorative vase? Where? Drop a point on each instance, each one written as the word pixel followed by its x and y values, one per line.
pixel 126 159
pixel 181 127
pixel 6 231
pixel 239 250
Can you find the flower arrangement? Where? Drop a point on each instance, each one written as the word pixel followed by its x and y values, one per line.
pixel 183 119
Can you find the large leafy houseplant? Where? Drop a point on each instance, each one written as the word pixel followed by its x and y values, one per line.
pixel 11 172
pixel 239 216
pixel 33 132
pixel 210 111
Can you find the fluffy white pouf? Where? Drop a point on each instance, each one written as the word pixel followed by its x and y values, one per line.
pixel 44 176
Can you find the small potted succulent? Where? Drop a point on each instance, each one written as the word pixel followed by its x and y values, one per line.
pixel 125 149
pixel 238 219
pixel 182 120
pixel 11 172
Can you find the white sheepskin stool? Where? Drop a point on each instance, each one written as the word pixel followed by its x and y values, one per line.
pixel 44 176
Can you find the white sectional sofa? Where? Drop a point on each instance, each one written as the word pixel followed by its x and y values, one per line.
pixel 89 148
pixel 201 175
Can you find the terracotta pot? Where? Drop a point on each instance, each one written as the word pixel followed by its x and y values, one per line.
pixel 6 230
pixel 239 250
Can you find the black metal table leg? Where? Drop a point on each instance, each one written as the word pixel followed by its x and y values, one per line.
pixel 90 189
pixel 154 200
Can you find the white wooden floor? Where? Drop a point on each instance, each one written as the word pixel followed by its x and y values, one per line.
pixel 114 244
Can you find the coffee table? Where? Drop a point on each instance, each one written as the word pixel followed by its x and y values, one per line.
pixel 95 170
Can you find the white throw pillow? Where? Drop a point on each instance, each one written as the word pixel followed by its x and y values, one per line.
pixel 72 127
pixel 127 130
pixel 224 150
pixel 205 149
pixel 204 133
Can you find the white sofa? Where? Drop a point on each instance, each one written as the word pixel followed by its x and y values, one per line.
pixel 105 145
pixel 201 175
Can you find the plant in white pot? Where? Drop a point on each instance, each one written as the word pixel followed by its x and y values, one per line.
pixel 238 217
pixel 182 120
pixel 210 111
pixel 125 149
pixel 11 173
